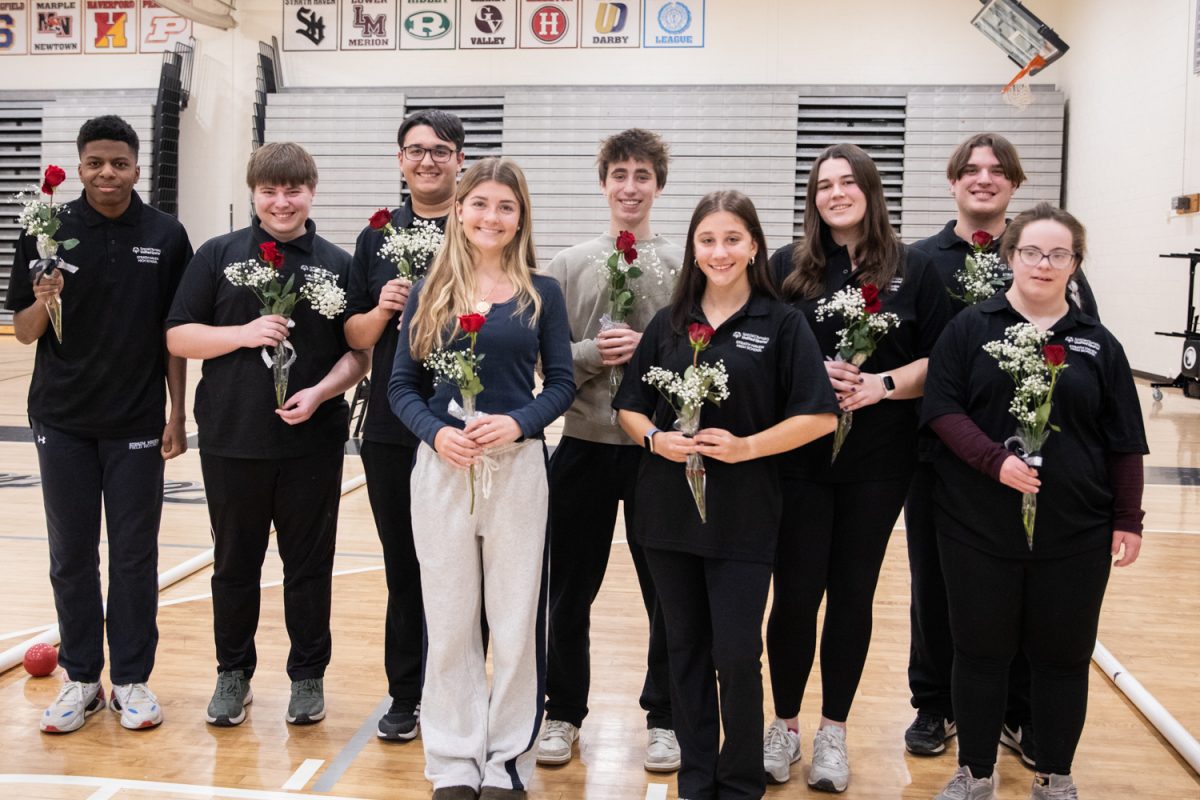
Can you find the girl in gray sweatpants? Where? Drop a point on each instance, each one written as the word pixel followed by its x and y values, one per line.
pixel 479 494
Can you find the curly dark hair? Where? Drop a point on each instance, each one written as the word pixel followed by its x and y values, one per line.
pixel 109 127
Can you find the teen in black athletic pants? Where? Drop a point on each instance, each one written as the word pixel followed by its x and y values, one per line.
pixel 713 577
pixel 1003 593
pixel 838 518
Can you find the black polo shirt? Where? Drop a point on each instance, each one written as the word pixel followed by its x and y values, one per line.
pixel 368 273
pixel 235 400
pixel 1095 404
pixel 775 372
pixel 883 440
pixel 948 251
pixel 107 378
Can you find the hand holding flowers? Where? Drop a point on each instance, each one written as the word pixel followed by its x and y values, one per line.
pixel 866 324
pixel 461 368
pixel 1034 367
pixel 279 301
pixel 41 221
pixel 686 394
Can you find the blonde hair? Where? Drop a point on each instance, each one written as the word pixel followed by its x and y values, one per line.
pixel 449 289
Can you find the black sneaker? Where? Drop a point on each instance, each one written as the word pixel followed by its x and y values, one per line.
pixel 1019 739
pixel 928 734
pixel 400 724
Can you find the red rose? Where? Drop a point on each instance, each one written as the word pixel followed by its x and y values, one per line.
pixel 471 323
pixel 981 239
pixel 54 176
pixel 630 255
pixel 870 295
pixel 381 219
pixel 269 251
pixel 700 335
pixel 625 240
pixel 1056 354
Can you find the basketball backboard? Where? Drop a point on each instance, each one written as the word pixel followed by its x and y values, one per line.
pixel 1019 33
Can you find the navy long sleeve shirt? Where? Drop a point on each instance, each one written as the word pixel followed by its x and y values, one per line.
pixel 511 350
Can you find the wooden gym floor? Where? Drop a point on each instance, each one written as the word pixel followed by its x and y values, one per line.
pixel 1150 623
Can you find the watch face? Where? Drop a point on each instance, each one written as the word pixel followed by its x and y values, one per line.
pixel 888 383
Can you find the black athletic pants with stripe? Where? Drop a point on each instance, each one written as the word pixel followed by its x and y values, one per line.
pixel 78 473
pixel 301 496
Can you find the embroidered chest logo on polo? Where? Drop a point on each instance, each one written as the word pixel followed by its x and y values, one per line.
pixel 1079 345
pixel 147 255
pixel 895 285
pixel 750 341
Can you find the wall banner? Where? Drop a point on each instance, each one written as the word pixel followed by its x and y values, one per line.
pixel 310 25
pixel 673 23
pixel 110 26
pixel 55 27
pixel 369 24
pixel 549 24
pixel 607 25
pixel 427 24
pixel 487 24
pixel 159 29
pixel 14 27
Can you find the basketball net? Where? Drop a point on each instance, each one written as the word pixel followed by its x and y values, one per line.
pixel 1017 93
pixel 214 13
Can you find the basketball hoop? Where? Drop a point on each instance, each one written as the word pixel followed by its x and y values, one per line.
pixel 1017 93
pixel 214 13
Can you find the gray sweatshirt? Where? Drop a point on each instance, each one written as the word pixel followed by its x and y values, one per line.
pixel 580 271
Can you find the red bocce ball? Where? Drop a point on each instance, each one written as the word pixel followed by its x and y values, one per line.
pixel 40 660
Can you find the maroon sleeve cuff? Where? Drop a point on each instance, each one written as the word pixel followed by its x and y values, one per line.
pixel 1128 482
pixel 974 447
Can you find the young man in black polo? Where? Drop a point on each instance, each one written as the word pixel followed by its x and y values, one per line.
pixel 96 408
pixel 595 465
pixel 431 156
pixel 264 464
pixel 984 171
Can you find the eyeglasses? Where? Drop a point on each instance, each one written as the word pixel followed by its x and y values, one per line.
pixel 440 155
pixel 1032 256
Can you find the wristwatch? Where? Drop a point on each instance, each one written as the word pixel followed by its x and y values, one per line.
pixel 889 385
pixel 648 439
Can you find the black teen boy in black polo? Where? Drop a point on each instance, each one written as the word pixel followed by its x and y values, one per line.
pixel 96 409
pixel 262 464
pixel 431 155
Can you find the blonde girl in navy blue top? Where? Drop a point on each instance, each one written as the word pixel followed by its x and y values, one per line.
pixel 479 736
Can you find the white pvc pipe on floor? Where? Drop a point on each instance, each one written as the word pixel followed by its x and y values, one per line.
pixel 1184 743
pixel 16 654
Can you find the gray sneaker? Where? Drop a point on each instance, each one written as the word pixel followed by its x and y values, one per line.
pixel 308 701
pixel 1057 787
pixel 965 786
pixel 781 749
pixel 228 705
pixel 830 770
pixel 557 740
pixel 662 751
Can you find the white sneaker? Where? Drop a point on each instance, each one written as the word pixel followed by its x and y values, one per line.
pixel 830 771
pixel 965 786
pixel 76 702
pixel 781 749
pixel 137 706
pixel 662 751
pixel 1057 787
pixel 557 739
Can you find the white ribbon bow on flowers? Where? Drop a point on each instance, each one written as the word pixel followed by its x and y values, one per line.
pixel 488 464
pixel 1016 445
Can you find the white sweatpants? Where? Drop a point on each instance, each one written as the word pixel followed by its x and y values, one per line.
pixel 474 737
